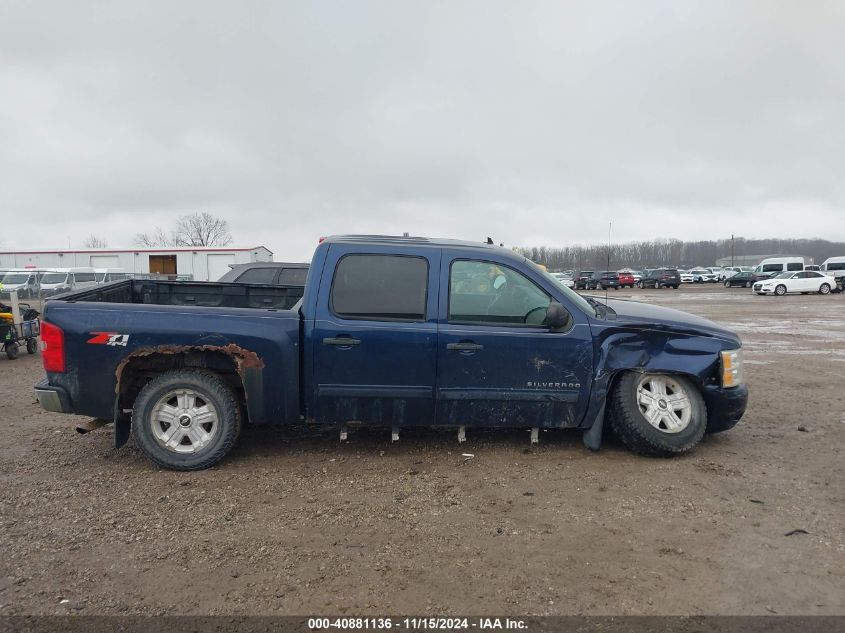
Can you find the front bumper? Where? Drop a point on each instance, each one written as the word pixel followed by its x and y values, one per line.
pixel 52 398
pixel 725 406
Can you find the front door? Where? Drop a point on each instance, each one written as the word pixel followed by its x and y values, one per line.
pixel 497 364
pixel 374 339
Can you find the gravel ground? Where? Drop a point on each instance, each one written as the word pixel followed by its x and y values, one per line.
pixel 296 523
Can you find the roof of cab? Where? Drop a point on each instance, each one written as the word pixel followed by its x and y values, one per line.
pixel 409 241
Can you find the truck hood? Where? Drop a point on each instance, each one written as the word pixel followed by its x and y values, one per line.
pixel 639 314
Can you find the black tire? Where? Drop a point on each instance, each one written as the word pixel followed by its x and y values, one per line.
pixel 675 286
pixel 12 350
pixel 656 285
pixel 727 284
pixel 31 345
pixel 780 290
pixel 212 390
pixel 632 428
pixel 824 289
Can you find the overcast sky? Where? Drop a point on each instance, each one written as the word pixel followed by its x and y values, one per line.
pixel 532 122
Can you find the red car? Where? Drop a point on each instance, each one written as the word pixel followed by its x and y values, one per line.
pixel 625 280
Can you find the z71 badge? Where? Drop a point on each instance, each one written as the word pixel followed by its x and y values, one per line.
pixel 108 338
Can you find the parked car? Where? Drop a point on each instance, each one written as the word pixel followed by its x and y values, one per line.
pixel 275 273
pixel 636 274
pixel 741 279
pixel 602 279
pixel 385 338
pixel 702 275
pixel 565 279
pixel 626 279
pixel 732 270
pixel 581 279
pixel 660 278
pixel 805 281
pixel 719 272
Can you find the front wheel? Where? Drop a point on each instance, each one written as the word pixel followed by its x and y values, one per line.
pixel 186 419
pixel 780 290
pixel 31 346
pixel 657 414
pixel 824 289
pixel 727 284
pixel 12 350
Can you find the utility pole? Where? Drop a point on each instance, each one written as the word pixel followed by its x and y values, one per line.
pixel 732 249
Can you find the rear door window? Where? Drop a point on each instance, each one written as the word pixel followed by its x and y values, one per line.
pixel 380 288
pixel 795 266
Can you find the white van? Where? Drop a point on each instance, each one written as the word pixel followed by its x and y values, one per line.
pixel 65 279
pixel 24 282
pixel 834 266
pixel 107 275
pixel 780 265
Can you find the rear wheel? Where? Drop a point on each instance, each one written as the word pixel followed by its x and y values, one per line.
pixel 727 284
pixel 657 414
pixel 186 419
pixel 31 345
pixel 824 289
pixel 780 290
pixel 747 284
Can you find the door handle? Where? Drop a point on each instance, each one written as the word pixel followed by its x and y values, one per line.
pixel 341 341
pixel 464 346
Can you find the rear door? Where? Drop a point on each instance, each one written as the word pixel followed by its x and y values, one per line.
pixel 496 364
pixel 375 336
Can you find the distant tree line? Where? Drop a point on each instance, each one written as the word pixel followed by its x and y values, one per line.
pixel 673 252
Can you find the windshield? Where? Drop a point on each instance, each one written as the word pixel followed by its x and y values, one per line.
pixel 15 278
pixel 54 278
pixel 783 276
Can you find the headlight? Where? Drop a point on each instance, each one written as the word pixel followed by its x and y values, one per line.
pixel 732 372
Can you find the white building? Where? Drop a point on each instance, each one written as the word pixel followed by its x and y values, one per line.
pixel 199 263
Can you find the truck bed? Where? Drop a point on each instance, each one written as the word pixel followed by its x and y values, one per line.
pixel 191 293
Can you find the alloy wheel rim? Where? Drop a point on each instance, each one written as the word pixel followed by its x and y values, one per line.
pixel 664 403
pixel 184 421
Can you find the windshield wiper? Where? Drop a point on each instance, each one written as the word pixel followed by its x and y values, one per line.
pixel 600 308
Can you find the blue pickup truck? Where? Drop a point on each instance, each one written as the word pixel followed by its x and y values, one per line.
pixel 391 332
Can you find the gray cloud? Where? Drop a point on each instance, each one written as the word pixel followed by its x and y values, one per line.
pixel 531 122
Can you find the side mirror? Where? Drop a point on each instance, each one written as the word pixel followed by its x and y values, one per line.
pixel 556 316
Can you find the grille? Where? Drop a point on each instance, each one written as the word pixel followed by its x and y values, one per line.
pixel 758 286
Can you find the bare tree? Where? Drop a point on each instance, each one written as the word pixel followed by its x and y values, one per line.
pixel 95 241
pixel 156 237
pixel 201 229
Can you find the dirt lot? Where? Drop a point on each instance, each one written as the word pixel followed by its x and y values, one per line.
pixel 297 524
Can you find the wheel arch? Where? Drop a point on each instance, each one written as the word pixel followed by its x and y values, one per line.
pixel 239 368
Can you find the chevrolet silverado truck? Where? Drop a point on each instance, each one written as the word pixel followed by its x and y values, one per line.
pixel 391 332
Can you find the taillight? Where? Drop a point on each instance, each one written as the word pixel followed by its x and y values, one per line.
pixel 53 351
